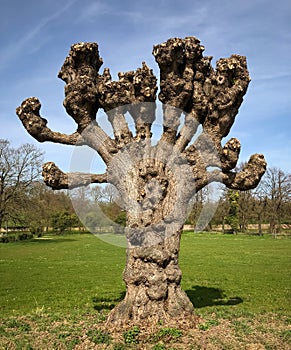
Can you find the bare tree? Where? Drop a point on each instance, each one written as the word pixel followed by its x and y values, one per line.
pixel 259 207
pixel 19 168
pixel 40 204
pixel 276 189
pixel 109 194
pixel 155 181
pixel 248 207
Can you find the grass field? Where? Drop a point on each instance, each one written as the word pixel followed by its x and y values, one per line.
pixel 62 286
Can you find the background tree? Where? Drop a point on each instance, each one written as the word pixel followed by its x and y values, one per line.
pixel 110 203
pixel 246 212
pixel 276 189
pixel 221 212
pixel 242 205
pixel 196 205
pixel 63 220
pixel 41 205
pixel 259 208
pixel 232 218
pixel 156 181
pixel 19 169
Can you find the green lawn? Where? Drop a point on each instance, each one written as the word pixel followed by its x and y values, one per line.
pixel 59 274
pixel 227 277
pixel 64 272
pixel 251 272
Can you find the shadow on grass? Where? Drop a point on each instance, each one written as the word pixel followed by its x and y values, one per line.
pixel 107 303
pixel 207 296
pixel 199 296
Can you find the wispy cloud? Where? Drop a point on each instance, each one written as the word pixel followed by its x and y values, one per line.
pixel 94 9
pixel 13 50
pixel 272 77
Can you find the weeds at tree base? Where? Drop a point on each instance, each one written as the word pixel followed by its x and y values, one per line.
pixel 131 336
pixel 99 337
pixel 208 324
pixel 167 335
pixel 49 331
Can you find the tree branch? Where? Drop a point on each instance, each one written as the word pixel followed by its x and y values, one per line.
pixel 80 72
pixel 229 154
pixel 217 96
pixel 35 125
pixel 188 83
pixel 244 180
pixel 177 62
pixel 129 94
pixel 56 179
pixel 249 177
pixel 222 94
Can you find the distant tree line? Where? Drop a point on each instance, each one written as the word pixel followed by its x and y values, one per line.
pixel 27 203
pixel 267 205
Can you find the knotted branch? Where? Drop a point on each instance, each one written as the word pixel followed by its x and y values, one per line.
pixel 129 94
pixel 249 177
pixel 208 97
pixel 211 98
pixel 57 180
pixel 176 59
pixel 80 72
pixel 35 125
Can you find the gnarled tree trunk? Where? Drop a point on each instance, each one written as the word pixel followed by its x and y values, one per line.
pixel 152 276
pixel 156 185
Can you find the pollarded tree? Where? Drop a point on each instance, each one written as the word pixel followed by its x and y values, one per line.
pixel 155 180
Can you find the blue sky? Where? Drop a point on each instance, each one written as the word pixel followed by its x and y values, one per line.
pixel 36 37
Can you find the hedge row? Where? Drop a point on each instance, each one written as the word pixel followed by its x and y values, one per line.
pixel 14 237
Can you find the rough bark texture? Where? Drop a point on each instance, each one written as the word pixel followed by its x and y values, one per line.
pixel 152 277
pixel 156 182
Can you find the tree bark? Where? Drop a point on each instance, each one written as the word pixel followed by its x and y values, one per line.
pixel 153 292
pixel 156 185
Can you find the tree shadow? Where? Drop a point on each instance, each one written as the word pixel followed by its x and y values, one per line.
pixel 208 296
pixel 107 303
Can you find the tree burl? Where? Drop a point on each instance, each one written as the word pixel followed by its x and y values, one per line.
pixel 156 180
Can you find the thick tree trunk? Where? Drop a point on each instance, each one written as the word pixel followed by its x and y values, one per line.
pixel 153 293
pixel 156 185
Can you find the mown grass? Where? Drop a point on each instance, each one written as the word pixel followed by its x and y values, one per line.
pixel 61 286
pixel 59 274
pixel 237 273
